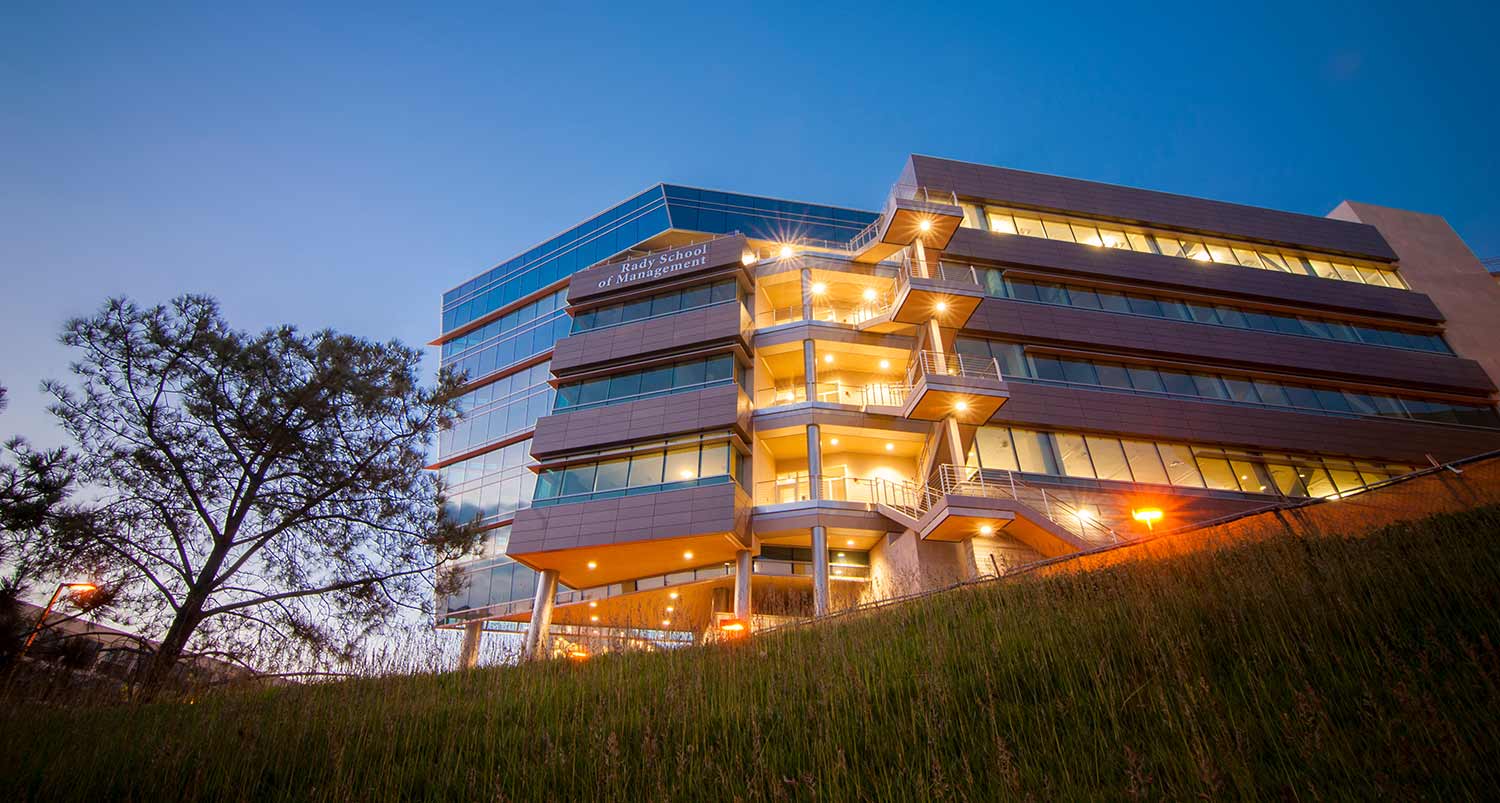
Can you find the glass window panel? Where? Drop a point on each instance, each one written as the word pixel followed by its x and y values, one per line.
pixel 624 385
pixel 1080 371
pixel 1248 258
pixel 1113 239
pixel 1318 482
pixel 719 368
pixel 1209 386
pixel 1176 310
pixel 1341 331
pixel 1112 301
pixel 1074 454
pixel 1217 474
pixel 1141 242
pixel 1371 275
pixel 578 479
pixel 1241 389
pixel 612 474
pixel 695 296
pixel 1022 290
pixel 1361 403
pixel 1168 246
pixel 1145 463
pixel 1109 459
pixel 1300 396
pixel 1083 297
pixel 1344 475
pixel 1194 249
pixel 714 460
pixel 995 450
pixel 593 391
pixel 656 380
pixel 1289 325
pixel 645 469
pixel 636 310
pixel 1034 451
pixel 1146 379
pixel 1202 313
pixel 1144 305
pixel 972 347
pixel 1252 476
pixel 1393 279
pixel 1012 359
pixel 1181 470
pixel 567 395
pixel 1370 474
pixel 1047 368
pixel 1058 230
pixel 1029 226
pixel 666 303
pixel 1333 400
pixel 724 291
pixel 1113 375
pixel 1323 268
pixel 1051 293
pixel 1001 222
pixel 583 321
pixel 1222 254
pixel 1348 273
pixel 1086 235
pixel 608 316
pixel 1178 382
pixel 1388 406
pixel 1260 321
pixel 1229 316
pixel 689 373
pixel 1287 478
pixel 682 464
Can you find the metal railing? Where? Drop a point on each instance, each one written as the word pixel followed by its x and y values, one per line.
pixel 942 363
pixel 831 488
pixel 939 270
pixel 875 394
pixel 1002 484
pixel 900 192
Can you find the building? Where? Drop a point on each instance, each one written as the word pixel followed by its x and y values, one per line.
pixel 702 411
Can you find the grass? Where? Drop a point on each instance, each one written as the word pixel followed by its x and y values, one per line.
pixel 1287 668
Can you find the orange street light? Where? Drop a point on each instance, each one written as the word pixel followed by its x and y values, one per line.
pixel 42 621
pixel 578 653
pixel 1149 515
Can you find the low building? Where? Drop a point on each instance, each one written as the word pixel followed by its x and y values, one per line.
pixel 700 409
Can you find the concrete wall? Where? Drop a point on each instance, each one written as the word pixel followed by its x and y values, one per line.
pixel 1436 262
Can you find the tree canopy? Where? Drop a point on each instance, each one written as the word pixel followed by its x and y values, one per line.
pixel 258 494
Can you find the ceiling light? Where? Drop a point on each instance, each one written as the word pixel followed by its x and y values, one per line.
pixel 961 406
pixel 890 447
pixel 838 571
pixel 827 358
pixel 841 554
pixel 593 604
pixel 850 542
pixel 819 288
pixel 687 555
pixel 833 441
pixel 593 565
pixel 672 595
pixel 666 623
pixel 747 259
pixel 1084 515
pixel 786 251
pixel 870 294
pixel 670 609
pixel 594 618
pixel 925 225
pixel 942 306
pixel 687 473
pixel 885 365
pixel 985 529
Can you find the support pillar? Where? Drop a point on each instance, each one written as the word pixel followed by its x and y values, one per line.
pixel 820 570
pixel 807 294
pixel 538 641
pixel 742 571
pixel 810 370
pixel 954 440
pixel 468 657
pixel 814 462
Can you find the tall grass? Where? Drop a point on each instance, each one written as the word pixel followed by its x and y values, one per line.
pixel 1306 668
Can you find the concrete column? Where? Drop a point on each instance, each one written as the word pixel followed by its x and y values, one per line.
pixel 955 441
pixel 742 572
pixel 815 461
pixel 537 640
pixel 810 369
pixel 933 340
pixel 468 657
pixel 820 570
pixel 919 254
pixel 807 294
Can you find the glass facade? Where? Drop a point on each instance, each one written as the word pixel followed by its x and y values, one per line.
pixel 658 305
pixel 1072 295
pixel 490 487
pixel 1104 457
pixel 643 468
pixel 660 380
pixel 1220 387
pixel 1103 234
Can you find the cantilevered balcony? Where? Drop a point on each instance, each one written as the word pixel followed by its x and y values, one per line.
pixel 931 289
pixel 964 386
pixel 911 214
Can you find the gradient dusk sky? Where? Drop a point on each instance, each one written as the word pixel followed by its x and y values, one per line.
pixel 345 165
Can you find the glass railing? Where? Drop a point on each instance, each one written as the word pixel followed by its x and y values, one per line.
pixel 879 394
pixel 794 488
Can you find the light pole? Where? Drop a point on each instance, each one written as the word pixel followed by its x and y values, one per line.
pixel 41 622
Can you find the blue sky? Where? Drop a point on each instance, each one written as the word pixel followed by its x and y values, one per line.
pixel 343 166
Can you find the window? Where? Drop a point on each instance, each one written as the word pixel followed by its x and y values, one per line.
pixel 1002 223
pixel 642 468
pixel 1113 375
pixel 658 380
pixel 1034 451
pixel 700 295
pixel 1058 230
pixel 994 448
pixel 1029 227
pixel 1148 379
pixel 1181 470
pixel 1074 454
pixel 1145 463
pixel 1178 383
pixel 1109 459
pixel 1217 474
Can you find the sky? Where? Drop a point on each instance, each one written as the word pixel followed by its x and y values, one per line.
pixel 341 166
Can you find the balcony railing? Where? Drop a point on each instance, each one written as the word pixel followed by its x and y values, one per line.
pixel 846 314
pixel 798 488
pixel 939 270
pixel 941 363
pixel 900 192
pixel 1002 484
pixel 878 394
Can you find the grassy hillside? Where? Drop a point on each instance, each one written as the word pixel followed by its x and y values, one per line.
pixel 1288 668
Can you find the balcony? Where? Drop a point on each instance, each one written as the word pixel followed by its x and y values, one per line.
pixel 967 387
pixel 878 397
pixel 933 289
pixel 798 487
pixel 911 213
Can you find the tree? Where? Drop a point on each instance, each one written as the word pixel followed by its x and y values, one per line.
pixel 256 491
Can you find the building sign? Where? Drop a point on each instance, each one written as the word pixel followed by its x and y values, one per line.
pixel 656 267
